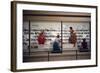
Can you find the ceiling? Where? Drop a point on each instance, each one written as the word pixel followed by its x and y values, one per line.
pixel 55 13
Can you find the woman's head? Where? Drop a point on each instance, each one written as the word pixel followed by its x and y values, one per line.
pixel 70 28
pixel 58 36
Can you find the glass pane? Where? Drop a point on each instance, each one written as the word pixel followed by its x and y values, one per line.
pixel 77 36
pixel 48 31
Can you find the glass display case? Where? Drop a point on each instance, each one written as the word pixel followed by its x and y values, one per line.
pixel 44 36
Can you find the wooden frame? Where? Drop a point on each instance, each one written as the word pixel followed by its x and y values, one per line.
pixel 14 31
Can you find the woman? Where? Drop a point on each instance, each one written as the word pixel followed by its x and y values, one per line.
pixel 41 38
pixel 56 45
pixel 73 37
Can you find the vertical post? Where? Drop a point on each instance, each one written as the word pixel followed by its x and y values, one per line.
pixel 90 35
pixel 29 37
pixel 48 56
pixel 76 54
pixel 61 36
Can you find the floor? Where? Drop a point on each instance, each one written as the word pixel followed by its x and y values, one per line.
pixel 72 54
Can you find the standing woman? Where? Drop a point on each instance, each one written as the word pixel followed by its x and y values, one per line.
pixel 41 38
pixel 73 37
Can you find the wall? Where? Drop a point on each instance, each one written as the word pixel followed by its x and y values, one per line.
pixel 5 37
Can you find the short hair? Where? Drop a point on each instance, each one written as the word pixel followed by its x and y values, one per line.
pixel 58 36
pixel 70 27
